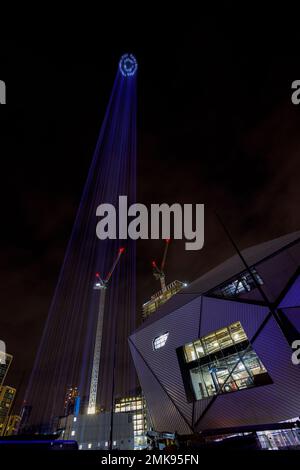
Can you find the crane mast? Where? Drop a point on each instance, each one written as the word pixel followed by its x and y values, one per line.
pixel 100 284
pixel 159 272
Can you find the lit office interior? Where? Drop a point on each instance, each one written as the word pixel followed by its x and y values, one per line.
pixel 224 361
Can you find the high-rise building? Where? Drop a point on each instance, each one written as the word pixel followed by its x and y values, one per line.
pixel 70 400
pixel 12 425
pixel 7 395
pixel 25 414
pixel 5 361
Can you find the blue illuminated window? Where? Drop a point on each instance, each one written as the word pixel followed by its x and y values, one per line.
pixel 243 283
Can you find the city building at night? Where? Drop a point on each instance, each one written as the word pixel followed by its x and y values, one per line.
pixel 5 362
pixel 160 297
pixel 12 426
pixel 7 395
pixel 71 401
pixel 218 354
pixel 137 406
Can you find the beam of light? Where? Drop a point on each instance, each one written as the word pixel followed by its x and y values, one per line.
pixel 65 354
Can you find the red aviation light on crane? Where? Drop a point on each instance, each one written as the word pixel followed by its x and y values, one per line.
pixel 98 275
pixel 168 240
pixel 121 250
pixel 154 264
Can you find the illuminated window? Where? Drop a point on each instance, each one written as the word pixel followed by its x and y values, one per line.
pixel 221 362
pixel 73 433
pixel 89 446
pixel 242 284
pixel 214 342
pixel 160 341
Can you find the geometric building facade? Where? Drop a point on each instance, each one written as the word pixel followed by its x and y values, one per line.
pixel 218 354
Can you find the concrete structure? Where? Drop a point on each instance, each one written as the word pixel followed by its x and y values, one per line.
pixel 217 354
pixel 91 431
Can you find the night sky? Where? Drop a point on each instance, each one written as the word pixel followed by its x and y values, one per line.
pixel 216 125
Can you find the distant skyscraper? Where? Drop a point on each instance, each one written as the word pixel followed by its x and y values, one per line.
pixel 25 415
pixel 70 401
pixel 7 395
pixel 12 425
pixel 5 361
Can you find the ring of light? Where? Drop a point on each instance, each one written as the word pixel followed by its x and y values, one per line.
pixel 128 65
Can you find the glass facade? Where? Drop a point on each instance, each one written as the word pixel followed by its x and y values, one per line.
pixel 223 361
pixel 137 406
pixel 240 285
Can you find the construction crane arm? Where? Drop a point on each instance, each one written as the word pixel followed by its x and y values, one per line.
pixel 114 265
pixel 165 255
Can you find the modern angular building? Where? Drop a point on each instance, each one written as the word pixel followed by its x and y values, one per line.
pixel 218 354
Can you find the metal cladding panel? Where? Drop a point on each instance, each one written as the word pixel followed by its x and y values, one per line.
pixel 284 266
pixel 163 413
pixel 294 252
pixel 253 255
pixel 218 313
pixel 259 256
pixel 183 326
pixel 200 407
pixel 292 298
pixel 177 301
pixel 265 404
pixel 293 315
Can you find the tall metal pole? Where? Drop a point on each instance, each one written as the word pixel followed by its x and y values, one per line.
pixel 113 391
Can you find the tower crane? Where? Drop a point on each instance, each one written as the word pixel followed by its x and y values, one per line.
pixel 100 284
pixel 159 273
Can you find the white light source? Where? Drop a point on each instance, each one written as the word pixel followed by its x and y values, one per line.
pixel 73 433
pixel 160 341
pixel 89 446
pixel 91 410
pixel 75 419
